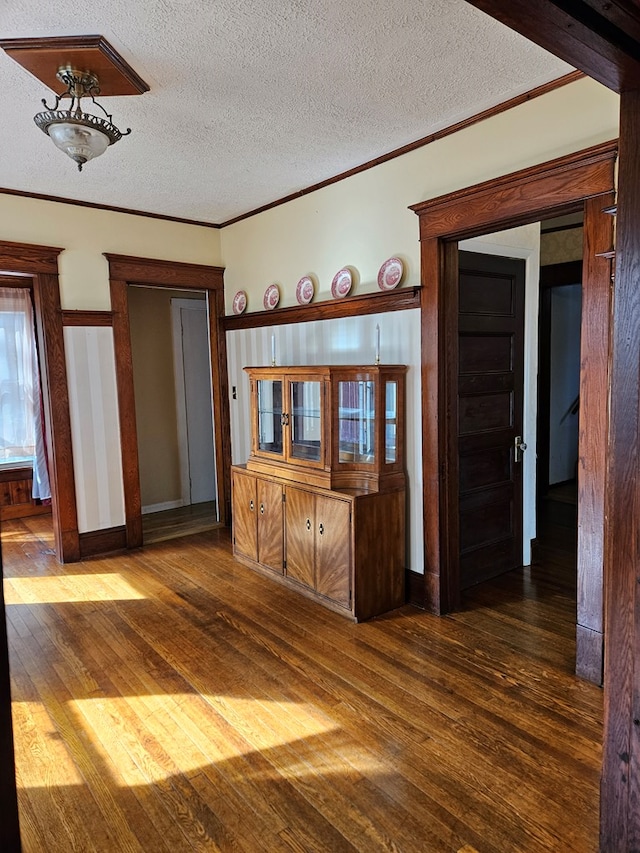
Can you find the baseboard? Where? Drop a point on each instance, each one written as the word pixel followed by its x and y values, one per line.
pixel 161 507
pixel 105 541
pixel 415 588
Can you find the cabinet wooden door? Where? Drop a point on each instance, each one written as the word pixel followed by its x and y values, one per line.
pixel 245 525
pixel 270 525
pixel 333 549
pixel 300 536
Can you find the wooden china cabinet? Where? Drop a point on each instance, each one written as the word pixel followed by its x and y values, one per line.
pixel 320 503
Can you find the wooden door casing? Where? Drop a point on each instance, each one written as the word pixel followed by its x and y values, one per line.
pixel 270 525
pixel 333 549
pixel 490 398
pixel 558 186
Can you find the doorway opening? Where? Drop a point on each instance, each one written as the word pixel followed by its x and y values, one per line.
pixel 559 323
pixel 174 411
pixel 519 301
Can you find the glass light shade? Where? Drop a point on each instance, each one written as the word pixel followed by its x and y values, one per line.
pixel 78 141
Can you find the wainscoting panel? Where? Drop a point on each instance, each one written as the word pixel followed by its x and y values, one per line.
pixel 348 340
pixel 94 427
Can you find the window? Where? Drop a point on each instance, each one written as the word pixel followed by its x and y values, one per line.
pixel 21 438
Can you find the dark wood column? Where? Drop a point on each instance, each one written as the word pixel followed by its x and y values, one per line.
pixel 620 790
pixel 9 826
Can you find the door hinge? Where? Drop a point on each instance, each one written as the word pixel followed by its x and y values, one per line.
pixel 284 497
pixel 284 565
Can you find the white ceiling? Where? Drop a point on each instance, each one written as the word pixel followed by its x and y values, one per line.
pixel 252 101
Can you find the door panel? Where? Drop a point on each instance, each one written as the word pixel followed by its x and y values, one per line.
pixel 300 535
pixel 244 515
pixel 270 518
pixel 333 538
pixel 490 393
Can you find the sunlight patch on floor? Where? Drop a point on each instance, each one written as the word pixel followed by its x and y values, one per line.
pixel 69 588
pixel 42 758
pixel 183 746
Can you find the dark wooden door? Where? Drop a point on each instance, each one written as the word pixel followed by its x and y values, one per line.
pixel 490 395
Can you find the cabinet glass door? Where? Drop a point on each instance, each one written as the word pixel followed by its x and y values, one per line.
pixel 390 422
pixel 356 421
pixel 270 415
pixel 305 420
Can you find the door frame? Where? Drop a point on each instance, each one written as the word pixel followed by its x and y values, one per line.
pixel 125 270
pixel 38 267
pixel 564 185
pixel 177 305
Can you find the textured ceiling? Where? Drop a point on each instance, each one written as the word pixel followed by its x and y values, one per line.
pixel 252 101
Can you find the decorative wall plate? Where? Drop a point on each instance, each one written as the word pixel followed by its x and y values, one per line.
pixel 304 290
pixel 342 281
pixel 390 274
pixel 271 296
pixel 239 302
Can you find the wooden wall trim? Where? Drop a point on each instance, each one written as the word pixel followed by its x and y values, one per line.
pixel 431 367
pixel 28 259
pixel 594 435
pixel 330 309
pixel 516 101
pixel 163 273
pixel 56 199
pixel 520 197
pixel 57 416
pixel 87 318
pixel 414 586
pixel 126 412
pixel 106 541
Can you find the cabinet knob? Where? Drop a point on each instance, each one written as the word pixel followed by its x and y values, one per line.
pixel 261 509
pixel 251 505
pixel 321 529
pixel 308 524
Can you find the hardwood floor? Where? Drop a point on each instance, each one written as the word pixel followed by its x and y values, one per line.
pixel 172 523
pixel 172 700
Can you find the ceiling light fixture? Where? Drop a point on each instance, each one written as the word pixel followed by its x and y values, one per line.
pixel 81 135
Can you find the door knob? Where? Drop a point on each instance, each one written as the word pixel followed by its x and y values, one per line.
pixel 519 446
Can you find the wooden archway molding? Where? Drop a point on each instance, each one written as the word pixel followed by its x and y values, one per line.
pixel 583 180
pixel 39 264
pixel 123 271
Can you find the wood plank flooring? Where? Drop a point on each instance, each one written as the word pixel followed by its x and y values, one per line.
pixel 172 700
